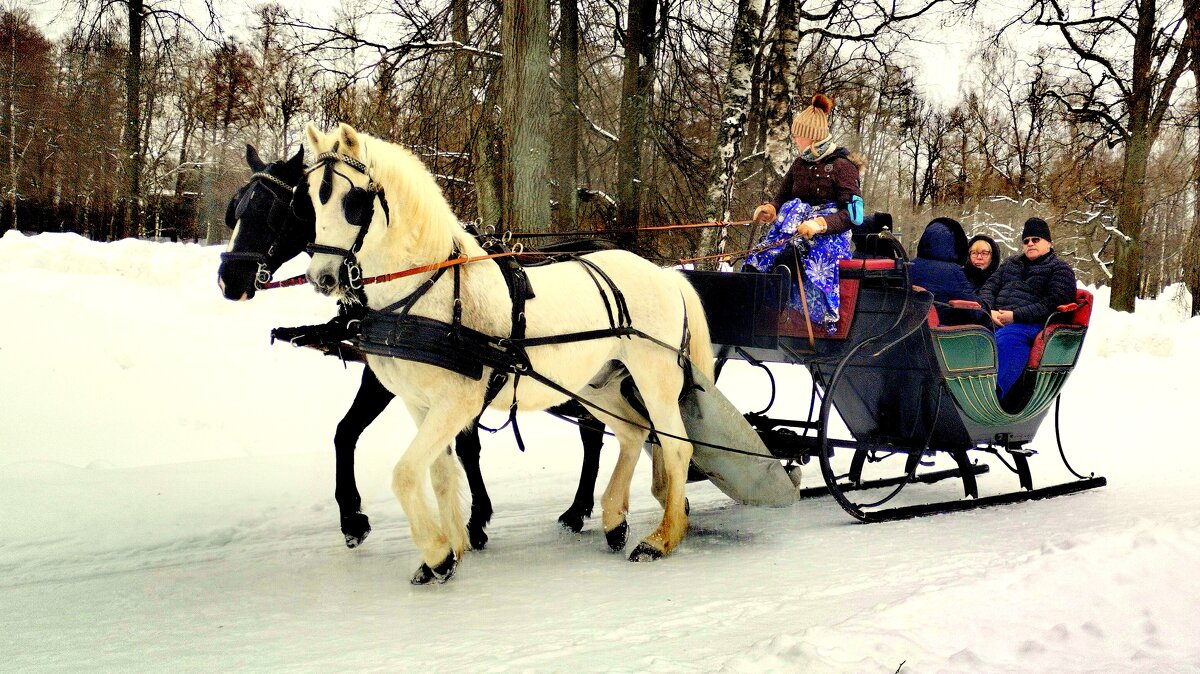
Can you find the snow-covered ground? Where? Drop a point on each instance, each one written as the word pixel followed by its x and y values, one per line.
pixel 166 481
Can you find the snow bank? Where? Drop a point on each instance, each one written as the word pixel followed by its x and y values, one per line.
pixel 166 483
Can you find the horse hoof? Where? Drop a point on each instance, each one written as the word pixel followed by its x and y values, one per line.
pixel 687 506
pixel 440 573
pixel 355 528
pixel 572 521
pixel 645 552
pixel 617 537
pixel 477 537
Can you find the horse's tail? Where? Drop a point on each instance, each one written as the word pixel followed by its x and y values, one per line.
pixel 700 346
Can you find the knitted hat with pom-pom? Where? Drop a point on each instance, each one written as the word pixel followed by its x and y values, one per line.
pixel 813 121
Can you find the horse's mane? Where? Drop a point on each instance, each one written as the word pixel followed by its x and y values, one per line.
pixel 414 198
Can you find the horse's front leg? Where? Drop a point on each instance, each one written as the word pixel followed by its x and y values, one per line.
pixel 370 401
pixel 591 434
pixel 441 546
pixel 615 501
pixel 467 447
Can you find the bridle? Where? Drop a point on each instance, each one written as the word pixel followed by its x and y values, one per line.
pixel 358 207
pixel 262 274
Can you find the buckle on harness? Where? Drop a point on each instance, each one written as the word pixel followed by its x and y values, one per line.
pixel 262 276
pixel 354 275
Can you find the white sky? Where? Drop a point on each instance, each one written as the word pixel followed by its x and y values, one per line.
pixel 941 53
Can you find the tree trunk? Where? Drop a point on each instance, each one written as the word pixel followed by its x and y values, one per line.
pixel 1191 246
pixel 525 97
pixel 483 146
pixel 488 152
pixel 781 97
pixel 11 197
pixel 635 102
pixel 1131 202
pixel 735 106
pixel 566 150
pixel 133 122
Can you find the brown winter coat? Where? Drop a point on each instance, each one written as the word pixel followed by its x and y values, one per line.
pixel 833 179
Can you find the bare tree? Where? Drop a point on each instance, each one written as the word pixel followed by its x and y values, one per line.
pixel 1191 248
pixel 635 94
pixel 1129 55
pixel 566 149
pixel 525 104
pixel 27 75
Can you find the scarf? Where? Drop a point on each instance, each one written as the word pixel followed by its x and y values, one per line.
pixel 819 150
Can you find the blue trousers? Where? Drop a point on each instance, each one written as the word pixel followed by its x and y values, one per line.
pixel 1013 344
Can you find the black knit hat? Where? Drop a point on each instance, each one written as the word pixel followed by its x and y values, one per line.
pixel 1036 227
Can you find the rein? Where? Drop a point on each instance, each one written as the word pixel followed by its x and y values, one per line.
pixel 384 278
pixel 605 232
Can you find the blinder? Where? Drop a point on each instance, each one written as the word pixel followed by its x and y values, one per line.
pixel 237 209
pixel 358 206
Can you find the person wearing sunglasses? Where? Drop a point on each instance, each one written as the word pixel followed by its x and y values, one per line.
pixel 1025 290
pixel 983 257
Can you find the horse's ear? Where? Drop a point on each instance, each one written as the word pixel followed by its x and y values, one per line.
pixel 349 138
pixel 252 159
pixel 296 162
pixel 314 137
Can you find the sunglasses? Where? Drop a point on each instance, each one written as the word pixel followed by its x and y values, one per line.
pixel 1031 239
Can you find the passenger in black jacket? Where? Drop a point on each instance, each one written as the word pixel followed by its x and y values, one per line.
pixel 983 257
pixel 938 268
pixel 1021 295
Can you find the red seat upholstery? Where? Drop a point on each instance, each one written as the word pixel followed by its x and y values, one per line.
pixel 1074 315
pixel 867 264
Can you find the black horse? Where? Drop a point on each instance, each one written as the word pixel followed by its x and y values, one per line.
pixel 272 222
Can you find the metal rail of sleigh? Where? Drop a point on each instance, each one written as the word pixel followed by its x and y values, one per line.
pixel 906 387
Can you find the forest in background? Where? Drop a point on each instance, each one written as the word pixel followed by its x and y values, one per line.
pixel 619 114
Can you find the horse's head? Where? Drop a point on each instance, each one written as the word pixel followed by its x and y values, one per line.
pixel 343 193
pixel 271 223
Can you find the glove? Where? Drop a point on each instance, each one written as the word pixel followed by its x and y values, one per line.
pixel 765 213
pixel 810 228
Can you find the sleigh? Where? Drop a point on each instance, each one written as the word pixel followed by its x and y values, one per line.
pixel 908 389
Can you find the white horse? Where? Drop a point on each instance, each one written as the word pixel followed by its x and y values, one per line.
pixel 364 183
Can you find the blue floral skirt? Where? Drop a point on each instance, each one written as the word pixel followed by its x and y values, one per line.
pixel 820 261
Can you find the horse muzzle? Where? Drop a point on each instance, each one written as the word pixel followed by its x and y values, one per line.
pixel 324 282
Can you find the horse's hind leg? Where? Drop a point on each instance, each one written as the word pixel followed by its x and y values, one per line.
pixel 466 445
pixel 370 401
pixel 591 434
pixel 659 393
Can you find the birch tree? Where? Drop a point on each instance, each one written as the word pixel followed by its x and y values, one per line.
pixel 731 129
